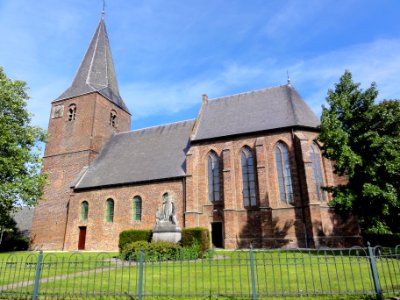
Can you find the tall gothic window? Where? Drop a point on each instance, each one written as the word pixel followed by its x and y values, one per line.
pixel 113 118
pixel 248 178
pixel 84 210
pixel 72 112
pixel 214 194
pixel 137 208
pixel 110 210
pixel 317 169
pixel 284 176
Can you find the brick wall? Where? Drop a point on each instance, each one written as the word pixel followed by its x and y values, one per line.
pixel 272 223
pixel 71 146
pixel 103 235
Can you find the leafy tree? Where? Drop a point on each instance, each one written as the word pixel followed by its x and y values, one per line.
pixel 8 225
pixel 363 140
pixel 20 159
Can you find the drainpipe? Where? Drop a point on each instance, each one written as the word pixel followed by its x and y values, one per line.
pixel 184 202
pixel 66 224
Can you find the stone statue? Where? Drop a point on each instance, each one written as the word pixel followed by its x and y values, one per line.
pixel 166 228
pixel 168 212
pixel 158 216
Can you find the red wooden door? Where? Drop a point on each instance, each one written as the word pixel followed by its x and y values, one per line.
pixel 82 238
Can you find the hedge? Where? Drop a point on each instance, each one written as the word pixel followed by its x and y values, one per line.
pixel 159 251
pixel 131 236
pixel 198 235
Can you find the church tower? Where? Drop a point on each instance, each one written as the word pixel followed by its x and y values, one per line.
pixel 82 119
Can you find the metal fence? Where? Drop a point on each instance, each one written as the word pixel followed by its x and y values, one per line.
pixel 325 273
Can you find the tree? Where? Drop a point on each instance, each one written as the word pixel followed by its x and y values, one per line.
pixel 21 181
pixel 7 225
pixel 363 140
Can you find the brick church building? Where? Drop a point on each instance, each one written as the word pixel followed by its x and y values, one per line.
pixel 248 168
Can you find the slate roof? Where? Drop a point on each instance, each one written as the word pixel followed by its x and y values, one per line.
pixel 96 72
pixel 266 109
pixel 142 155
pixel 23 217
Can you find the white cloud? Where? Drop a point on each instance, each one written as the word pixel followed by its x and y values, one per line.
pixel 41 96
pixel 292 15
pixel 45 45
pixel 152 99
pixel 378 61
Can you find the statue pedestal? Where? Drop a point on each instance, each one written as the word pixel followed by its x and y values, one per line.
pixel 167 232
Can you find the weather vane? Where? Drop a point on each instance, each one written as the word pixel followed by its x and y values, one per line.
pixel 288 79
pixel 104 8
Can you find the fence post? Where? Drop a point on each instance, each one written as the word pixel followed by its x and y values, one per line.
pixel 38 273
pixel 253 278
pixel 375 276
pixel 140 287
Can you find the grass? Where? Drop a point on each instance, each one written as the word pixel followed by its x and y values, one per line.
pixel 288 274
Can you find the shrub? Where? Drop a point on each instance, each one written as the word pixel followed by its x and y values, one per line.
pixel 155 251
pixel 192 252
pixel 130 236
pixel 14 243
pixel 198 235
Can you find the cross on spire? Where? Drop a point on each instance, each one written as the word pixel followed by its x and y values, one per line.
pixel 289 82
pixel 103 12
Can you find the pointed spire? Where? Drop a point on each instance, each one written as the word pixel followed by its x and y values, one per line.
pixel 96 72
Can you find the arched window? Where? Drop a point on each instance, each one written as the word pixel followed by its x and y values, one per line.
pixel 71 112
pixel 84 210
pixel 113 118
pixel 110 210
pixel 317 169
pixel 137 208
pixel 284 176
pixel 248 178
pixel 213 178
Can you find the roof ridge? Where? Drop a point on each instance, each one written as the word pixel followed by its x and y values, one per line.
pixel 81 63
pixel 292 106
pixel 249 92
pixel 87 81
pixel 153 127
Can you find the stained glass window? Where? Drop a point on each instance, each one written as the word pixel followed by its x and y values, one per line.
pixel 214 194
pixel 284 175
pixel 137 208
pixel 110 210
pixel 317 170
pixel 248 178
pixel 84 210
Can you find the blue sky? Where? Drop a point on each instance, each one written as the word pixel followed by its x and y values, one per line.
pixel 167 53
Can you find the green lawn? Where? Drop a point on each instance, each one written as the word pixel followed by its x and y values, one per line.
pixel 278 274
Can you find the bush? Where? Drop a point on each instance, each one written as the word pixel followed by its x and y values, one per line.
pixel 199 236
pixel 14 243
pixel 130 236
pixel 192 252
pixel 155 251
pixel 384 240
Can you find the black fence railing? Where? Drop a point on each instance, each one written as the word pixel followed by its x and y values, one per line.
pixel 251 274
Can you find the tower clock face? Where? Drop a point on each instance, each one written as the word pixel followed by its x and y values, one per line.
pixel 58 111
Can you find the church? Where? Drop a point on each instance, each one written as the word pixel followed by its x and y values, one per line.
pixel 248 168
